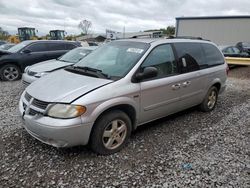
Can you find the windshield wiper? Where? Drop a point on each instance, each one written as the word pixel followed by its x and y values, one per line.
pixel 88 71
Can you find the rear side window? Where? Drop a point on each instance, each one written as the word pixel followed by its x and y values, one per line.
pixel 191 56
pixel 56 46
pixel 213 55
pixel 69 46
pixel 38 47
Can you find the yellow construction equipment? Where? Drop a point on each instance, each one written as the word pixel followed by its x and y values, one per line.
pixel 24 33
pixel 237 61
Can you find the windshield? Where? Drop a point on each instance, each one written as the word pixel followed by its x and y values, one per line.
pixel 116 58
pixel 75 55
pixel 18 47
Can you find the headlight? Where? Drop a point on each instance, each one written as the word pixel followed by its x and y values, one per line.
pixel 40 74
pixel 26 69
pixel 65 111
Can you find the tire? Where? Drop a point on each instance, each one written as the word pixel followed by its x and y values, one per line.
pixel 10 72
pixel 117 126
pixel 210 100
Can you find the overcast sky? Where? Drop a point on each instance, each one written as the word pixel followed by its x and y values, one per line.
pixel 135 15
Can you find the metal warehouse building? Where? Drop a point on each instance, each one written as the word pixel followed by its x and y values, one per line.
pixel 223 30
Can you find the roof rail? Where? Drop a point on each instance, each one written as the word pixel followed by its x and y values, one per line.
pixel 187 37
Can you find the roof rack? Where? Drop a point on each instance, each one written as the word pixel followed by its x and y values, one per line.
pixel 187 37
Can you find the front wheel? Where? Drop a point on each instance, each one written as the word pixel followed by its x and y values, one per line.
pixel 111 132
pixel 210 100
pixel 10 72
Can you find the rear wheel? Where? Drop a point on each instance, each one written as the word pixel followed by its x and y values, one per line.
pixel 210 100
pixel 10 72
pixel 111 132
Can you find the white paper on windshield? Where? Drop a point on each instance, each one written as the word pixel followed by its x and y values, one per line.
pixel 135 50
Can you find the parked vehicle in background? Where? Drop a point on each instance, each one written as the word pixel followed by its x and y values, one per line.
pixel 6 46
pixel 123 84
pixel 243 47
pixel 233 51
pixel 2 42
pixel 34 72
pixel 26 53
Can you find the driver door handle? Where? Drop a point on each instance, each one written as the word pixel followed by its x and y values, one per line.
pixel 185 84
pixel 176 86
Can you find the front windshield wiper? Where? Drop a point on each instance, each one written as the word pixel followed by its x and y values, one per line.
pixel 88 71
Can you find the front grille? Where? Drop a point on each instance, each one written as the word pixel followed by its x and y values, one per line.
pixel 40 104
pixel 35 106
pixel 27 97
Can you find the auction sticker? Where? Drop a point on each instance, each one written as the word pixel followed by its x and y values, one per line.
pixel 135 50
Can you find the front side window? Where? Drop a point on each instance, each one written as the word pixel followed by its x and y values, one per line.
pixel 37 47
pixel 115 59
pixel 163 59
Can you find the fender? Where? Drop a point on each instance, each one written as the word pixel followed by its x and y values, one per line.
pixel 102 107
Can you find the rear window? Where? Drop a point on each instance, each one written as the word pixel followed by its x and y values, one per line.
pixel 212 54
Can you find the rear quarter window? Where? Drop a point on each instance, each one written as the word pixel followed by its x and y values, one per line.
pixel 212 55
pixel 56 46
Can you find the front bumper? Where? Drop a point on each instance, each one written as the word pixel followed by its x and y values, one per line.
pixel 56 132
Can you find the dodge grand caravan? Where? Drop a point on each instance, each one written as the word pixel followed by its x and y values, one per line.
pixel 101 99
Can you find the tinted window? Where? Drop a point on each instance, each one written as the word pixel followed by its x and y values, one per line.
pixel 236 50
pixel 190 56
pixel 162 58
pixel 70 46
pixel 228 50
pixel 56 46
pixel 213 55
pixel 38 47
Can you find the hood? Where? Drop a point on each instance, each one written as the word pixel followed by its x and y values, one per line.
pixel 63 86
pixel 48 66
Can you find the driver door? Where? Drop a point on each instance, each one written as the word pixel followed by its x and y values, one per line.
pixel 160 95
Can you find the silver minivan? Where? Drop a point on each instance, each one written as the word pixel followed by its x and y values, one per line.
pixel 123 84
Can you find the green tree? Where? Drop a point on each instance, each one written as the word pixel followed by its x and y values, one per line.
pixel 3 34
pixel 170 30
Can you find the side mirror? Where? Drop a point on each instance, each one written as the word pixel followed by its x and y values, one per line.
pixel 148 72
pixel 26 51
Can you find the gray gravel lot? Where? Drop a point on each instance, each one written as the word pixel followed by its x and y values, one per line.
pixel 188 149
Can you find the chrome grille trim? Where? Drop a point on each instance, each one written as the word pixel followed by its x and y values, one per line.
pixel 40 104
pixel 35 106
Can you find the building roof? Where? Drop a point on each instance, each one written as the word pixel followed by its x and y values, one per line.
pixel 214 17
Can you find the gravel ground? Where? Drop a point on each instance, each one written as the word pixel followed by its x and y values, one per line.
pixel 188 149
